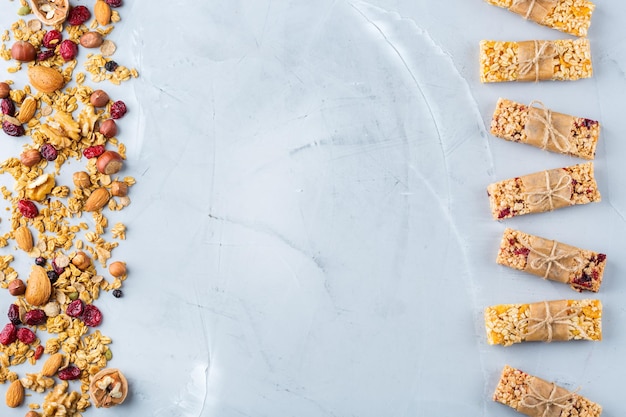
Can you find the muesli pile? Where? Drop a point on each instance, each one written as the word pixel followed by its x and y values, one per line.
pixel 57 212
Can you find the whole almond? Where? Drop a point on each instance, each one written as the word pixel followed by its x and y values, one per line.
pixel 24 238
pixel 91 39
pixel 28 109
pixel 15 394
pixel 38 287
pixel 45 79
pixel 30 157
pixel 102 11
pixel 52 364
pixel 98 199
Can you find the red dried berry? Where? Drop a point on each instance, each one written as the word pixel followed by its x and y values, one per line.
pixel 78 15
pixel 601 257
pixel 93 151
pixel 14 314
pixel 57 269
pixel 118 109
pixel 7 106
pixel 35 317
pixel 69 373
pixel 68 50
pixel 8 335
pixel 114 3
pixel 28 209
pixel 75 308
pixel 49 152
pixel 43 55
pixel 25 335
pixel 52 38
pixel 12 129
pixel 92 315
pixel 38 352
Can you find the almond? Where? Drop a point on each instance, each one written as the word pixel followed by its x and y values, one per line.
pixel 24 238
pixel 15 394
pixel 28 109
pixel 102 12
pixel 46 80
pixel 52 365
pixel 98 199
pixel 38 287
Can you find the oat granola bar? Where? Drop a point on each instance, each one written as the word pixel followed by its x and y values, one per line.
pixel 580 268
pixel 534 60
pixel 539 126
pixel 569 16
pixel 535 397
pixel 543 191
pixel 545 321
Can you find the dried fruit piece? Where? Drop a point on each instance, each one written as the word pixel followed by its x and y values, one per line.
pixel 43 55
pixel 52 38
pixel 26 336
pixel 38 287
pixel 13 129
pixel 98 199
pixel 15 394
pixel 35 317
pixel 14 314
pixel 53 276
pixel 108 388
pixel 78 15
pixel 7 107
pixel 49 152
pixel 52 364
pixel 117 293
pixel 92 316
pixel 45 79
pixel 23 51
pixel 118 109
pixel 111 66
pixel 75 308
pixel 8 334
pixel 93 151
pixel 103 12
pixel 68 50
pixel 28 209
pixel 24 238
pixel 114 3
pixel 39 351
pixel 70 373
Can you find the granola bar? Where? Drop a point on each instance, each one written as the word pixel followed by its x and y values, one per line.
pixel 538 126
pixel 543 191
pixel 534 60
pixel 569 16
pixel 535 397
pixel 545 321
pixel 581 269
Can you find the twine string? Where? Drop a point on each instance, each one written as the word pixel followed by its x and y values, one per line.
pixel 539 197
pixel 538 400
pixel 541 52
pixel 548 323
pixel 551 134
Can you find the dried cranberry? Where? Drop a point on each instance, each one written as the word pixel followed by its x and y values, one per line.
pixel 68 50
pixel 13 129
pixel 7 106
pixel 522 251
pixel 48 152
pixel 43 55
pixel 52 38
pixel 93 151
pixel 117 293
pixel 118 109
pixel 69 373
pixel 601 257
pixel 27 208
pixel 78 15
pixel 504 213
pixel 40 260
pixel 14 314
pixel 8 335
pixel 25 335
pixel 75 308
pixel 92 315
pixel 52 276
pixel 38 352
pixel 56 268
pixel 111 66
pixel 35 317
pixel 114 3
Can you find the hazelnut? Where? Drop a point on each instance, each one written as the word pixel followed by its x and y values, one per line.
pixel 30 157
pixel 17 287
pixel 32 413
pixel 91 40
pixel 108 128
pixel 23 51
pixel 81 260
pixel 110 162
pixel 119 188
pixel 99 98
pixel 5 89
pixel 117 269
pixel 81 179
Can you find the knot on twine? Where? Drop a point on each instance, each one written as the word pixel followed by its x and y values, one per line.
pixel 531 6
pixel 547 50
pixel 539 197
pixel 560 317
pixel 553 258
pixel 535 400
pixel 551 134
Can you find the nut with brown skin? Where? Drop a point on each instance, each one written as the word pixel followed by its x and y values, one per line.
pixel 5 89
pixel 32 413
pixel 108 128
pixel 91 40
pixel 110 162
pixel 81 179
pixel 99 98
pixel 117 269
pixel 81 260
pixel 119 188
pixel 17 287
pixel 30 157
pixel 23 51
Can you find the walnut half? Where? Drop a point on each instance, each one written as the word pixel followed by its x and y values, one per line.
pixel 108 388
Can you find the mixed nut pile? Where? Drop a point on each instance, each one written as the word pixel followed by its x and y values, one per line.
pixel 57 117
